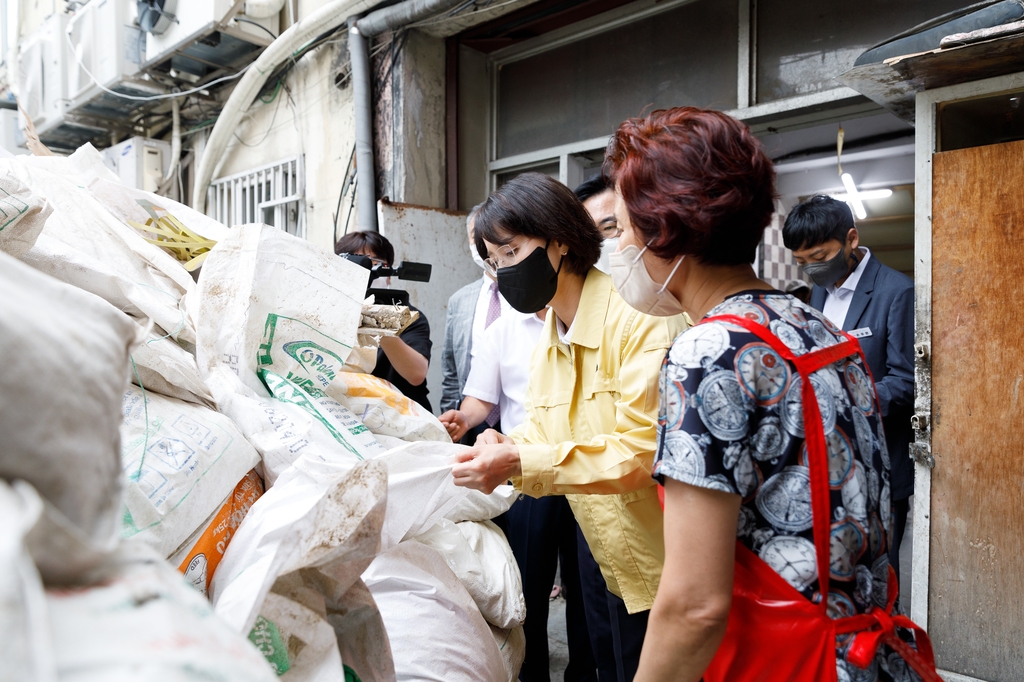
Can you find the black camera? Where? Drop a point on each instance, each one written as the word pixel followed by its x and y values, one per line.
pixel 408 271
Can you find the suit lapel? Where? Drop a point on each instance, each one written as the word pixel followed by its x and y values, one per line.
pixel 862 295
pixel 467 328
pixel 818 297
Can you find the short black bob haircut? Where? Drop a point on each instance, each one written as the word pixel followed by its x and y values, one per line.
pixel 373 242
pixel 599 184
pixel 816 221
pixel 536 205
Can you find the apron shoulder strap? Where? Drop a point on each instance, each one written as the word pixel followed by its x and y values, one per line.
pixel 814 432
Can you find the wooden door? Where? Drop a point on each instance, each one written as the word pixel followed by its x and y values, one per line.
pixel 976 582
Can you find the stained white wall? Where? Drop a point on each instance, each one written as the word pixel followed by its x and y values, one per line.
pixel 438 237
pixel 309 116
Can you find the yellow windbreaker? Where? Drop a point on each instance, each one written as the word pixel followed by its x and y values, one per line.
pixel 591 429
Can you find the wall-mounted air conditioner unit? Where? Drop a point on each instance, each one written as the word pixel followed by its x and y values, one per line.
pixel 13 139
pixel 105 48
pixel 140 162
pixel 42 78
pixel 203 36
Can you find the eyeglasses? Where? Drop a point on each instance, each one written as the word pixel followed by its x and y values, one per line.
pixel 504 257
pixel 609 230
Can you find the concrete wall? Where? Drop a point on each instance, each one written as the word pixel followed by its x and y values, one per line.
pixel 420 124
pixel 474 127
pixel 438 237
pixel 311 116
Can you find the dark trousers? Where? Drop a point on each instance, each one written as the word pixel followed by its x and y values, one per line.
pixel 469 438
pixel 541 532
pixel 900 509
pixel 616 637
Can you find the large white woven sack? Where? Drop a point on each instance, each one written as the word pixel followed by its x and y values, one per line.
pixel 434 626
pixel 144 623
pixel 478 553
pixel 83 244
pixel 162 366
pixel 181 460
pixel 308 539
pixel 512 645
pixel 22 213
pixel 272 308
pixel 60 395
pixel 24 625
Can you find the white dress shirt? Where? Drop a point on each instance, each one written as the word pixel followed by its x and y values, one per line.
pixel 483 302
pixel 500 368
pixel 837 299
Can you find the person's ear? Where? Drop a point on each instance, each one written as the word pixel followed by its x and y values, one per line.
pixel 560 247
pixel 853 238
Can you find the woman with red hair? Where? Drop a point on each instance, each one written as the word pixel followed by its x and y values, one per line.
pixel 770 449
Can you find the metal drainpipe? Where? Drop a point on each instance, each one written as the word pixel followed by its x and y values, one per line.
pixel 366 181
pixel 359 31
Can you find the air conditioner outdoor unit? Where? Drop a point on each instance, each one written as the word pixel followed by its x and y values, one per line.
pixel 200 36
pixel 104 42
pixel 13 139
pixel 140 162
pixel 42 79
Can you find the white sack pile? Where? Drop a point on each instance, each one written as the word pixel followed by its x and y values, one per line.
pixel 77 602
pixel 311 502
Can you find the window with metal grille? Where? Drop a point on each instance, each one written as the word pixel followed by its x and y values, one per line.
pixel 272 194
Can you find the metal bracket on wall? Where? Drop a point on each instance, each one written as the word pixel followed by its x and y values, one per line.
pixel 922 454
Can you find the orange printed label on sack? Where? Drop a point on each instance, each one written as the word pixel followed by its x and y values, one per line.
pixel 369 386
pixel 202 560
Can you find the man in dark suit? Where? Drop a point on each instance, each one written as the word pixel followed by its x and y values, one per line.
pixel 875 304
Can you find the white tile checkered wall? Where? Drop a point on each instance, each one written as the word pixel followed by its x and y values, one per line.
pixel 776 264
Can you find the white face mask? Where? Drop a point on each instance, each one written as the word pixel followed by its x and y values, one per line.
pixel 608 247
pixel 477 259
pixel 636 287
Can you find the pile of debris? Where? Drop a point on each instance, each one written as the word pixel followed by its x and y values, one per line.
pixel 223 428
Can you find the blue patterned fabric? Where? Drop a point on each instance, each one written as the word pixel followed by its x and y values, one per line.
pixel 731 419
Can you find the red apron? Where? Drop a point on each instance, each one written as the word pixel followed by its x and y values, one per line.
pixel 774 633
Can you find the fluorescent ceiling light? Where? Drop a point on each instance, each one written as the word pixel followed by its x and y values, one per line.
pixel 865 195
pixel 856 198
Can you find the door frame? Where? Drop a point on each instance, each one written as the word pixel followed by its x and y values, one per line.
pixel 925 146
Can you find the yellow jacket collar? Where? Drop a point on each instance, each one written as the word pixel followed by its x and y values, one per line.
pixel 591 314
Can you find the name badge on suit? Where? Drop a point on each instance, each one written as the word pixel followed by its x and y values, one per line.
pixel 861 333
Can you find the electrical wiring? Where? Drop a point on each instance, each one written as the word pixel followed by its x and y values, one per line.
pixel 277 88
pixel 266 134
pixel 150 98
pixel 438 21
pixel 258 25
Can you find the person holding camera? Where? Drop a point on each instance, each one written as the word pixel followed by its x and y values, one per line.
pixel 403 359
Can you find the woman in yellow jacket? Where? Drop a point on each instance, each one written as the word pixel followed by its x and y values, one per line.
pixel 592 399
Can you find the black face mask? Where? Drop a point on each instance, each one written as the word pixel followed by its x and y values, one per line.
pixel 530 284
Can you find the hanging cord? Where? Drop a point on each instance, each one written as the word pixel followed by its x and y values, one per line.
pixel 839 148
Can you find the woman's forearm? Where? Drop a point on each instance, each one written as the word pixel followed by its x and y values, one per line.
pixel 691 610
pixel 407 361
pixel 680 642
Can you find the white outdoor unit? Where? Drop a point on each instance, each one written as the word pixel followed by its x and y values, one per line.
pixel 104 42
pixel 13 140
pixel 140 162
pixel 42 78
pixel 198 33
